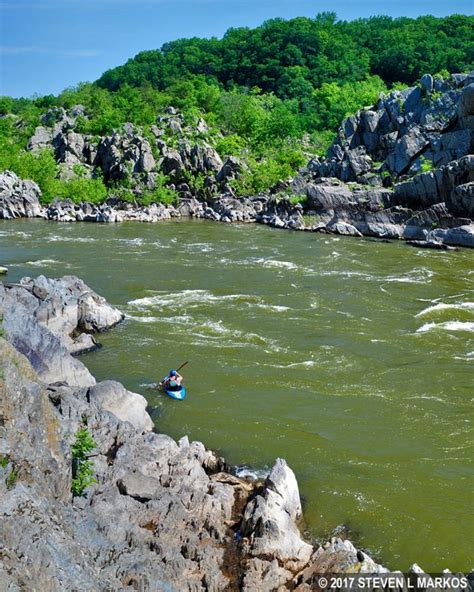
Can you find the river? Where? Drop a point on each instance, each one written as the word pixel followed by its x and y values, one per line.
pixel 350 358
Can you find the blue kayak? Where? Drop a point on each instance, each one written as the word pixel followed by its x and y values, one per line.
pixel 178 395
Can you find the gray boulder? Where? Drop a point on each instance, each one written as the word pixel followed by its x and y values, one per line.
pixel 270 520
pixel 125 405
pixel 18 198
pixel 466 107
pixel 41 139
pixel 462 199
pixel 46 320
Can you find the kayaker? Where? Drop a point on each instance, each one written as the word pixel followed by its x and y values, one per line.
pixel 173 380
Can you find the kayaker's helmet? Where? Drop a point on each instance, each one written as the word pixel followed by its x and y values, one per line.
pixel 173 373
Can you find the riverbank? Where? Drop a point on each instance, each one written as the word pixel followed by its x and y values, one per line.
pixel 360 212
pixel 162 513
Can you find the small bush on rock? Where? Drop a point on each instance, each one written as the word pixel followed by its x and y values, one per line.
pixel 83 474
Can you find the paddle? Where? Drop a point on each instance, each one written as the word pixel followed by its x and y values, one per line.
pixel 177 370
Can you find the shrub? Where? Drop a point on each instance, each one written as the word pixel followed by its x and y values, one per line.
pixel 81 189
pixel 161 193
pixel 83 475
pixel 426 165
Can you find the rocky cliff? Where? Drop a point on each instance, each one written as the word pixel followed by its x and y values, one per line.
pixel 400 169
pixel 163 515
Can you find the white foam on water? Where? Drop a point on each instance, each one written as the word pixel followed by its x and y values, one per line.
pixel 196 298
pixel 198 247
pixel 143 319
pixel 53 238
pixel 469 306
pixel 44 263
pixel 131 241
pixel 245 472
pixel 270 307
pixel 469 357
pixel 415 276
pixel 305 364
pixel 428 398
pixel 465 326
pixel 18 233
pixel 274 263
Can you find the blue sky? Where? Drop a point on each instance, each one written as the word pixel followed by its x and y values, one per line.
pixel 47 45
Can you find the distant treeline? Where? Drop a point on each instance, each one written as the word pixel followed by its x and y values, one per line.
pixel 292 58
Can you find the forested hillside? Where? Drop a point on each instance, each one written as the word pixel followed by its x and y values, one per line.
pixel 292 58
pixel 271 95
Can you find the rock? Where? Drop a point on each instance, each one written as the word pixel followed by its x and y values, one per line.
pixel 343 228
pixel 265 576
pixel 466 107
pixel 462 236
pixel 426 82
pixel 328 197
pixel 3 270
pixel 139 486
pixel 232 209
pixel 41 315
pixel 462 200
pixel 125 405
pixel 41 139
pixel 18 198
pixel 230 169
pixel 47 353
pixel 270 520
pixel 191 207
pixel 406 149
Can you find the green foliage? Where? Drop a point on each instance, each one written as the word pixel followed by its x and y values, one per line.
pixel 298 199
pixel 332 102
pixel 4 462
pixel 40 167
pixel 426 165
pixel 12 478
pixel 81 189
pixel 83 474
pixel 230 145
pixel 292 58
pixel 258 90
pixel 161 193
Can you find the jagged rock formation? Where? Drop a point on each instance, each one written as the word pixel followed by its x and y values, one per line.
pixel 47 319
pixel 174 149
pixel 373 181
pixel 18 198
pixel 162 515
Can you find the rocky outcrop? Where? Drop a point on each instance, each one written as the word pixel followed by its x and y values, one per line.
pixel 161 515
pixel 400 169
pixel 172 148
pixel 18 198
pixel 47 320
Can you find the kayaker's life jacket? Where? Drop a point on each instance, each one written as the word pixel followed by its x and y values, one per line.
pixel 172 383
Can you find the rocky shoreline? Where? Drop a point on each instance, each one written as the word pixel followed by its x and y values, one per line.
pixel 163 515
pixel 400 169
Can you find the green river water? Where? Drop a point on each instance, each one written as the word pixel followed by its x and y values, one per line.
pixel 350 358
